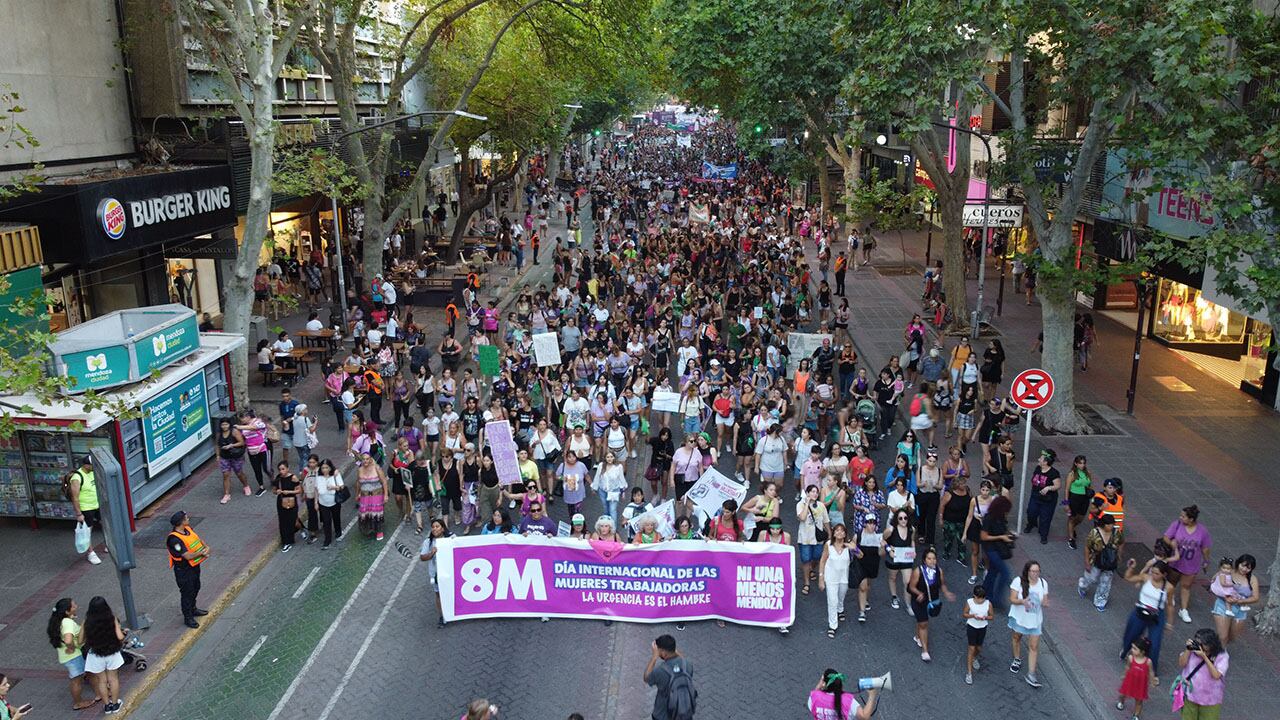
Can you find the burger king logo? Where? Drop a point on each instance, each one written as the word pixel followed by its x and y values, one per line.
pixel 111 215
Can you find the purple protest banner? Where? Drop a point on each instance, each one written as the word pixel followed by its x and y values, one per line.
pixel 503 447
pixel 517 576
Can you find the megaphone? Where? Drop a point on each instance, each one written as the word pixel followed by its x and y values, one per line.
pixel 884 682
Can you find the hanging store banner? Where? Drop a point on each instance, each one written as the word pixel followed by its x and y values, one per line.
pixel 678 580
pixel 1001 216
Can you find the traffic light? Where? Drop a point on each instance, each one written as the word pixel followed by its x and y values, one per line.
pixel 759 128
pixel 596 132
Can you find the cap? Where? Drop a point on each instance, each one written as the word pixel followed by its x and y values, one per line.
pixel 177 518
pixel 86 460
pixel 578 519
pixel 470 446
pixel 301 406
pixel 715 362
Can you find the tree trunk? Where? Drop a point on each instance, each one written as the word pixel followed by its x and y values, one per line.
pixel 1057 310
pixel 469 204
pixel 375 230
pixel 951 213
pixel 823 182
pixel 238 297
pixel 1269 619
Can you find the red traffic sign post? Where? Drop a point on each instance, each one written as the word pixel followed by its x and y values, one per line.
pixel 1031 390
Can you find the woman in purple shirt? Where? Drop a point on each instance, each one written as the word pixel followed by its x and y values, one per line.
pixel 1192 545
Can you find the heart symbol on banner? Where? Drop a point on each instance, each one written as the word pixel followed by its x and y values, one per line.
pixel 607 550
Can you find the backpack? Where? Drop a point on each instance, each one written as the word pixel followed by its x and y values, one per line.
pixel 66 484
pixel 917 406
pixel 682 698
pixel 1108 558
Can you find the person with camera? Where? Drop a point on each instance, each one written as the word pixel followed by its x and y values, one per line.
pixel 1200 685
pixel 1150 615
pixel 7 711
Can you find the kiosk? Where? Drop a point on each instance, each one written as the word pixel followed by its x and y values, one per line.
pixel 152 359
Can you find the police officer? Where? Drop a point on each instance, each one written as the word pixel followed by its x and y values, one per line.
pixel 186 553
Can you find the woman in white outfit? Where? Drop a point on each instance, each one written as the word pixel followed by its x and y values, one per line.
pixel 833 574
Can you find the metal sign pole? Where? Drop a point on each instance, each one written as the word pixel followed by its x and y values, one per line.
pixel 1022 485
pixel 115 525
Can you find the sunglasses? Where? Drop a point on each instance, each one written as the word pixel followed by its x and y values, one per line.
pixel 535 509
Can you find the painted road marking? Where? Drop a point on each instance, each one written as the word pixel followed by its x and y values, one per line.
pixel 310 576
pixel 364 646
pixel 333 626
pixel 262 639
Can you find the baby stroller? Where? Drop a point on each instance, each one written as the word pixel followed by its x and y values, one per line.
pixel 869 412
pixel 131 655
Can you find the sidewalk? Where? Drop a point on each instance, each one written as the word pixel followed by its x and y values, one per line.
pixel 42 565
pixel 1214 447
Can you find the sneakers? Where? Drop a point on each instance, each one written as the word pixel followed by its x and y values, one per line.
pixel 247 491
pixel 894 603
pixel 112 708
pixel 977 664
pixel 440 623
pixel 1183 615
pixel 862 617
pixel 261 490
pixel 93 558
pixel 973 579
pixel 925 657
pixel 311 540
pixel 917 639
pixel 225 499
pixel 1015 665
pixel 784 630
pixel 1033 682
pixel 680 626
pixel 633 454
pixel 1071 543
pixel 968 678
pixel 286 548
pixel 544 618
pixel 1083 593
pixel 378 537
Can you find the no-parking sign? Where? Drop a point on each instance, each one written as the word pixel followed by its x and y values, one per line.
pixel 1032 389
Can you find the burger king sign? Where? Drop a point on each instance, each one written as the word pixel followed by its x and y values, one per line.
pixel 112 216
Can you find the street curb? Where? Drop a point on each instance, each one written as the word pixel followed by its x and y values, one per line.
pixel 179 649
pixel 1079 679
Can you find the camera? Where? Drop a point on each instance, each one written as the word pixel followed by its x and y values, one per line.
pixel 1193 645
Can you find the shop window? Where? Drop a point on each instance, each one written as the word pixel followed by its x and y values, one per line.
pixel 1183 316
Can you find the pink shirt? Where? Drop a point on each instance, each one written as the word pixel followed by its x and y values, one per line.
pixel 823 705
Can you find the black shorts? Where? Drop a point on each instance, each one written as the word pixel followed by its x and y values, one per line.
pixel 920 610
pixel 454 500
pixel 92 518
pixel 976 636
pixel 1078 504
pixel 683 486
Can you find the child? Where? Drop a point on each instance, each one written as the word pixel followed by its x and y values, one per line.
pixel 1138 678
pixel 977 613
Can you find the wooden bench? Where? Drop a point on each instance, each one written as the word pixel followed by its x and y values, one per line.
pixel 287 375
pixel 438 291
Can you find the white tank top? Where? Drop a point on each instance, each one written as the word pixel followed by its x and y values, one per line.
pixel 837 569
pixel 1152 596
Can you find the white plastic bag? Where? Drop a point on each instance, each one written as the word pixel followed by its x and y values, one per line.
pixel 82 537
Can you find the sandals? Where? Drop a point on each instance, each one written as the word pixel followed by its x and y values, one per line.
pixel 831 634
pixel 804 590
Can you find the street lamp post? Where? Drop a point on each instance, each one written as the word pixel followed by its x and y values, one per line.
pixel 1132 393
pixel 333 194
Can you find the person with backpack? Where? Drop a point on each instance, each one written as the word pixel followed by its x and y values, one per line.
pixel 1102 551
pixel 671 673
pixel 79 487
